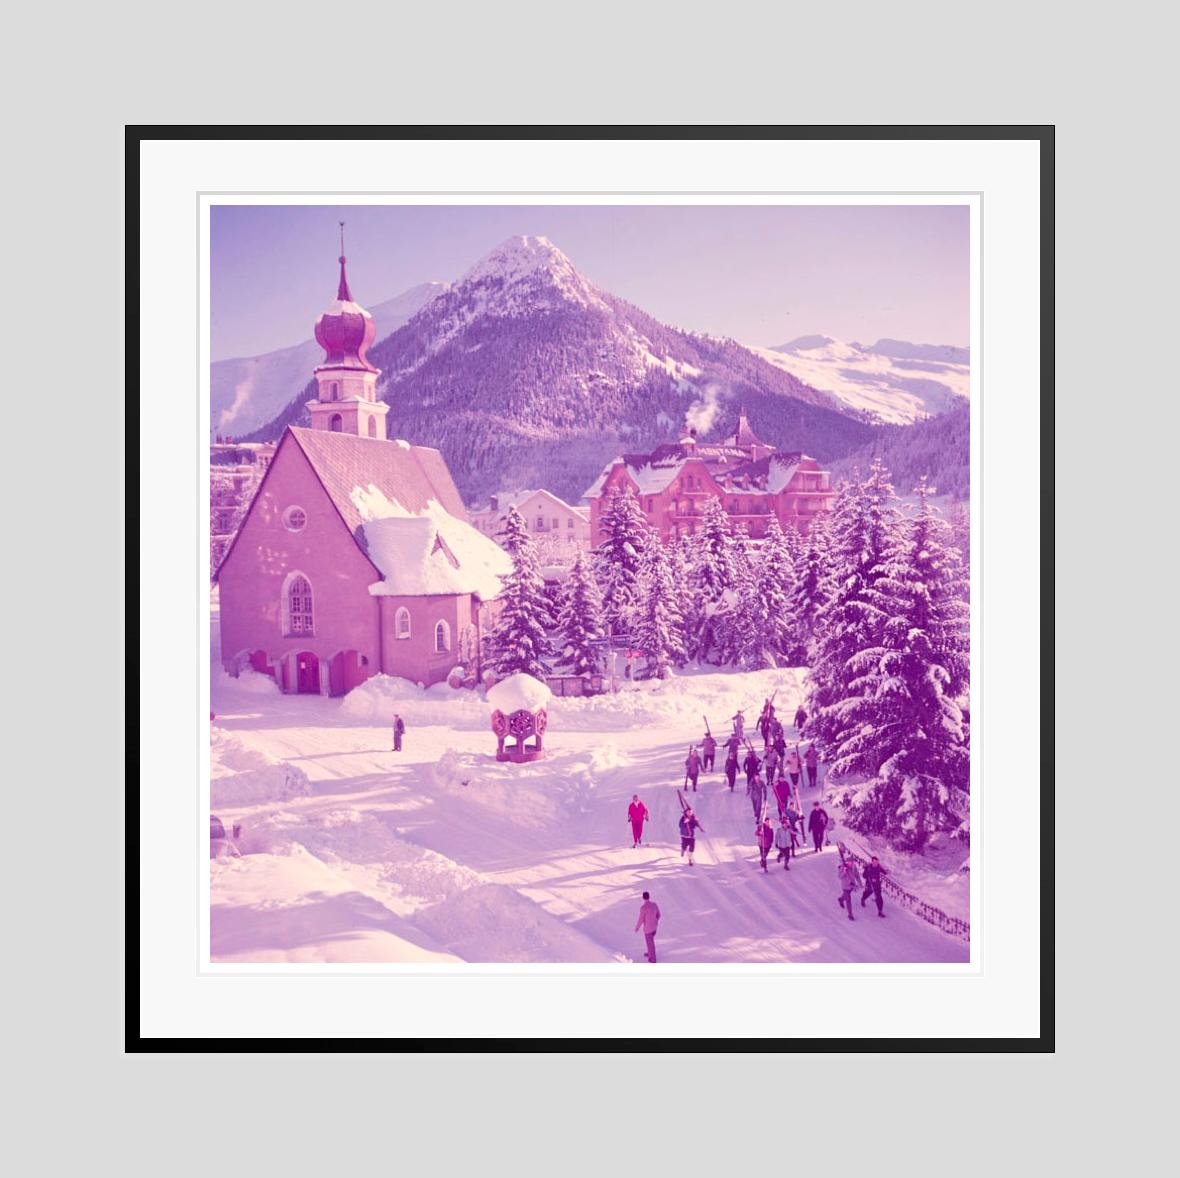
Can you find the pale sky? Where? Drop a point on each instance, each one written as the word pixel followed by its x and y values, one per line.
pixel 760 274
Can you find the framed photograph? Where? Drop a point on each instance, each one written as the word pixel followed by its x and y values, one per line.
pixel 605 582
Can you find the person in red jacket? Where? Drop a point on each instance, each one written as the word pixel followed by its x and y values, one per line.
pixel 637 816
pixel 764 836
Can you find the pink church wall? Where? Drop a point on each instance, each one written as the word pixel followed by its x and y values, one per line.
pixel 252 577
pixel 415 657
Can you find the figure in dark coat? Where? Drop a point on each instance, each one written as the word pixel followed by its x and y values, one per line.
pixel 800 718
pixel 751 765
pixel 399 728
pixel 731 767
pixel 764 836
pixel 873 874
pixel 708 750
pixel 817 823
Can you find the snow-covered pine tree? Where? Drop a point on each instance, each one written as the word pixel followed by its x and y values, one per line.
pixel 658 627
pixel 679 554
pixel 520 639
pixel 579 622
pixel 903 725
pixel 767 625
pixel 618 558
pixel 710 577
pixel 731 626
pixel 862 529
pixel 809 588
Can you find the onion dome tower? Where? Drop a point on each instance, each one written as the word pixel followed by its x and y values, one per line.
pixel 346 381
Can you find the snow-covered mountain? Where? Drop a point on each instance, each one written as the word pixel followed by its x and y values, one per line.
pixel 524 373
pixel 895 381
pixel 248 391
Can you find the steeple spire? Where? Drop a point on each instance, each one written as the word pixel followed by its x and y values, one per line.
pixel 342 292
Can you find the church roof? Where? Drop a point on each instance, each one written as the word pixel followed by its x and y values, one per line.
pixel 407 475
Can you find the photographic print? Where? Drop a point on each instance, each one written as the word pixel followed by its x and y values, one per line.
pixel 589 583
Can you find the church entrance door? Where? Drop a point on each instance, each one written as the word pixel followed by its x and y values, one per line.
pixel 307 673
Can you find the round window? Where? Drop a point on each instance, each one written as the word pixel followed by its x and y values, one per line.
pixel 294 519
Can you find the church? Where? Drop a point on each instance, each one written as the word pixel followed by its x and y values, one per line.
pixel 355 556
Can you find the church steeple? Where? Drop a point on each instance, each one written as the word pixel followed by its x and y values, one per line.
pixel 347 382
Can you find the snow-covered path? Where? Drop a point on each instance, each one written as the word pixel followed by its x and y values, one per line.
pixel 390 857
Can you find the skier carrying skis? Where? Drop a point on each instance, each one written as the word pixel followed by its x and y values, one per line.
pixel 709 750
pixel 399 728
pixel 692 766
pixel 812 763
pixel 764 836
pixel 873 873
pixel 796 821
pixel 800 718
pixel 637 816
pixel 731 766
pixel 649 920
pixel 765 718
pixel 739 725
pixel 772 762
pixel 756 792
pixel 784 839
pixel 751 765
pixel 782 795
pixel 849 879
pixel 817 823
pixel 794 765
pixel 688 828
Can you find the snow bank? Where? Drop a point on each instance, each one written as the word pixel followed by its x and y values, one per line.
pixel 244 776
pixel 495 923
pixel 519 692
pixel 378 698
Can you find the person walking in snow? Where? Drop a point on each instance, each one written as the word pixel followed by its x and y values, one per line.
pixel 764 720
pixel 849 879
pixel 708 751
pixel 637 816
pixel 800 718
pixel 796 821
pixel 794 765
pixel 812 762
pixel 739 725
pixel 764 837
pixel 692 767
pixel 751 765
pixel 784 840
pixel 873 873
pixel 782 795
pixel 731 767
pixel 817 823
pixel 688 838
pixel 780 745
pixel 756 792
pixel 399 728
pixel 771 762
pixel 649 921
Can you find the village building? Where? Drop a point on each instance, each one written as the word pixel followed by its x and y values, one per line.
pixel 355 555
pixel 235 470
pixel 752 479
pixel 559 530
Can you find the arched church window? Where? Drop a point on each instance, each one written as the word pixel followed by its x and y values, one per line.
pixel 297 606
pixel 372 427
pixel 336 423
pixel 401 623
pixel 442 638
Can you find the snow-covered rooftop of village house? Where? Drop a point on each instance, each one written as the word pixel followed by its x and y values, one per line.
pixel 518 692
pixel 652 473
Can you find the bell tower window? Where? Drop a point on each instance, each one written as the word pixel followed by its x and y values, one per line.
pixel 336 423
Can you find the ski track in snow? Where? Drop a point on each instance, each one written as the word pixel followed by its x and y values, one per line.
pixel 580 870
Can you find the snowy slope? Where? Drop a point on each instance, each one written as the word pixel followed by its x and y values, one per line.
pixel 248 391
pixel 442 850
pixel 896 381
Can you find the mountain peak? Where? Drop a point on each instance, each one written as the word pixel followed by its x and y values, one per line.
pixel 533 263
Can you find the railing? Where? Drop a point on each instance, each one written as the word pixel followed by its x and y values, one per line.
pixel 954 926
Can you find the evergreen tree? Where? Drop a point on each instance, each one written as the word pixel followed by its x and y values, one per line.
pixel 659 627
pixel 710 577
pixel 580 620
pixel 520 640
pixel 767 625
pixel 679 554
pixel 863 529
pixel 809 590
pixel 618 558
pixel 903 725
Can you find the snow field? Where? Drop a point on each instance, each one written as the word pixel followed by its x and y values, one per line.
pixel 390 857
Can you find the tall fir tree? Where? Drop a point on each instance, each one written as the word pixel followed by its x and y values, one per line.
pixel 903 724
pixel 863 528
pixel 767 625
pixel 579 622
pixel 659 627
pixel 710 577
pixel 811 584
pixel 679 554
pixel 520 639
pixel 618 558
